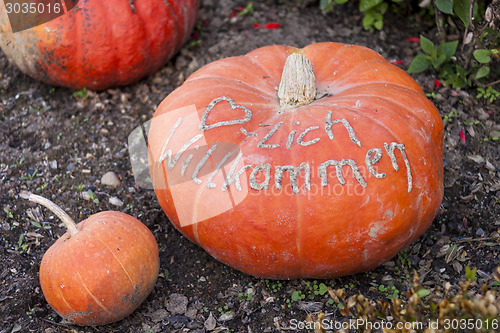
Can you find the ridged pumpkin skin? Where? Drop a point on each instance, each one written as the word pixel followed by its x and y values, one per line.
pixel 269 228
pixel 101 44
pixel 104 272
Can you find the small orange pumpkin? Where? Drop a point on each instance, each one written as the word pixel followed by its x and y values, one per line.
pixel 101 270
pixel 100 44
pixel 293 163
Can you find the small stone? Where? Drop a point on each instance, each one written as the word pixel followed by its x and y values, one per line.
pixel 32 128
pixel 389 264
pixel 195 326
pixel 115 201
pixel 490 166
pixel 70 167
pixel 177 304
pixel 110 179
pixel 191 313
pixel 226 316
pixel 480 232
pixel 85 195
pixel 476 158
pixel 178 322
pixel 159 315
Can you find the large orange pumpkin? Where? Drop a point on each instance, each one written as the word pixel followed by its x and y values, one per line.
pixel 101 270
pixel 287 163
pixel 100 44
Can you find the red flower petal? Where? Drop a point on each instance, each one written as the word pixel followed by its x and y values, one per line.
pixel 437 83
pixel 271 25
pixel 462 135
pixel 397 62
pixel 256 25
pixel 413 39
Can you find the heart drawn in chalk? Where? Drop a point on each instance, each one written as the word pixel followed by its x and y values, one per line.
pixel 203 121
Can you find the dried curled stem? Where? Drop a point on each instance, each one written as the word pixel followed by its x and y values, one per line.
pixel 298 82
pixel 68 221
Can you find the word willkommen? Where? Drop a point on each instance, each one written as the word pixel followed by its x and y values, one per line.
pixel 263 170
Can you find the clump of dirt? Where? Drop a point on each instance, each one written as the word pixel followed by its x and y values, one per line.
pixel 59 143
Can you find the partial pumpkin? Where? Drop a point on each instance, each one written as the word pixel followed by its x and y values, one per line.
pixel 323 165
pixel 100 44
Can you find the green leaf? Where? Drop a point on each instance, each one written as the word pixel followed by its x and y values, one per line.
pixel 461 9
pixel 427 45
pixel 8 212
pixel 368 21
pixel 326 5
pixel 36 224
pixel 482 72
pixel 378 24
pixel 81 93
pixel 423 292
pixel 438 61
pixel 247 10
pixel 458 79
pixel 446 6
pixel 483 56
pixel 419 64
pixel 461 71
pixel 340 2
pixel 295 295
pixel 382 8
pixel 323 289
pixel 365 5
pixel 448 49
pixel 470 274
pixel 446 71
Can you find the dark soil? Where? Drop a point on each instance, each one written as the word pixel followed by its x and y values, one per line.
pixel 59 145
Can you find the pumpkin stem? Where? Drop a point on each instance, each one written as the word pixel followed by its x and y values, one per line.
pixel 68 222
pixel 298 82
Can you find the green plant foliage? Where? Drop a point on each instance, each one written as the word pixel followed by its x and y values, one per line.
pixel 464 62
pixel 484 56
pixel 435 56
pixel 297 295
pixel 470 274
pixel 488 93
pixel 473 64
pixel 457 77
pixel 445 6
pixel 461 8
pixel 81 93
pixel 373 11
